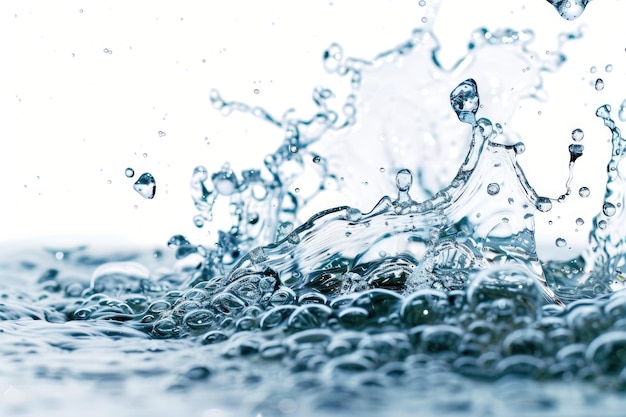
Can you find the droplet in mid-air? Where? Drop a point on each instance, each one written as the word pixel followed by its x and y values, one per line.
pixel 145 185
pixel 599 85
pixel 622 111
pixel 493 189
pixel 584 192
pixel 129 172
pixel 575 151
pixel 465 101
pixel 608 209
pixel 404 179
pixel 578 135
pixel 544 204
pixel 560 242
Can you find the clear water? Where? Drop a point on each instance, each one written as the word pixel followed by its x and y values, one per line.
pixel 432 299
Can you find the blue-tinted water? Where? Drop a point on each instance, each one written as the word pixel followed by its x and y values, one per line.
pixel 432 301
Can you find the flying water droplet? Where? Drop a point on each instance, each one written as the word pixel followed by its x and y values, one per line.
pixel 146 185
pixel 493 189
pixel 560 242
pixel 129 172
pixel 465 101
pixel 575 151
pixel 544 204
pixel 569 9
pixel 225 181
pixel 580 221
pixel 584 192
pixel 599 85
pixel 608 209
pixel 578 135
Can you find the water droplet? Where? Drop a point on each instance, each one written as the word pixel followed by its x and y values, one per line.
pixel 593 70
pixel 161 133
pixel 493 189
pixel 145 185
pixel 107 51
pixel 404 179
pixel 422 3
pixel 145 155
pixel 256 91
pixel 225 181
pixel 424 19
pixel 602 224
pixel 584 192
pixel 578 135
pixel 608 209
pixel 560 242
pixel 129 172
pixel 599 84
pixel 316 159
pixel 519 148
pixel 608 68
pixel 580 221
pixel 575 151
pixel 465 101
pixel 544 204
pixel 198 221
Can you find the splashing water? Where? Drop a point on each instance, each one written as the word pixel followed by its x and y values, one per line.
pixel 435 299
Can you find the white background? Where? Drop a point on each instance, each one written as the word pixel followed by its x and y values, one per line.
pixel 74 116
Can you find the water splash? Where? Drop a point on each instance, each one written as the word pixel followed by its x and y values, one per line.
pixel 569 9
pixel 145 185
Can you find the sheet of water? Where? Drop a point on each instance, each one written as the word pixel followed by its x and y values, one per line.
pixel 433 298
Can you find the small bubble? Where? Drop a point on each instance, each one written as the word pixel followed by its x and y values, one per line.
pixel 592 70
pixel 560 242
pixel 59 255
pixel 584 192
pixel 578 135
pixel 107 51
pixel 608 68
pixel 108 181
pixel 80 10
pixel 297 190
pixel 129 172
pixel 381 169
pixel 424 19
pixel 599 84
pixel 317 159
pixel 493 189
pixel 145 155
pixel 422 3
pixel 256 91
pixel 608 209
pixel 580 221
pixel 602 224
pixel 162 133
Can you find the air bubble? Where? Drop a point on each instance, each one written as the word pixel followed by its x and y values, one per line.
pixel 578 135
pixel 560 242
pixel 580 221
pixel 129 172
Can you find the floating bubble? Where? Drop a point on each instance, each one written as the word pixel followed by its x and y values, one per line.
pixel 145 185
